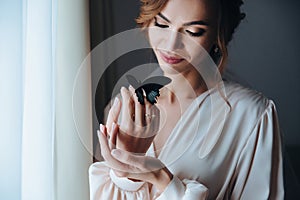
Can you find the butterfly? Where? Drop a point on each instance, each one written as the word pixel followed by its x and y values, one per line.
pixel 150 86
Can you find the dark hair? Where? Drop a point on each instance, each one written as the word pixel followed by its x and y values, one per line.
pixel 230 16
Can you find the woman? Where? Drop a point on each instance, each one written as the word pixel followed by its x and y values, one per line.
pixel 203 139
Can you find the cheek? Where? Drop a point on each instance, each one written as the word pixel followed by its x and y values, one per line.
pixel 208 40
pixel 206 45
pixel 156 37
pixel 197 47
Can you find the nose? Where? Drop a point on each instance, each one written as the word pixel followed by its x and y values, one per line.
pixel 174 40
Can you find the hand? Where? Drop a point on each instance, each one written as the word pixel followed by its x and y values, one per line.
pixel 126 164
pixel 139 123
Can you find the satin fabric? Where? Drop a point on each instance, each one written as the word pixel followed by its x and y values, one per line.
pixel 224 147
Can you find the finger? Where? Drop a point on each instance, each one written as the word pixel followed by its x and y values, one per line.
pixel 155 119
pixel 103 143
pixel 103 130
pixel 140 164
pixel 148 177
pixel 106 154
pixel 127 158
pixel 113 136
pixel 148 114
pixel 139 114
pixel 113 114
pixel 127 110
pixel 152 118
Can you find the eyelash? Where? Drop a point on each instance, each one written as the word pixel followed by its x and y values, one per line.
pixel 160 25
pixel 197 34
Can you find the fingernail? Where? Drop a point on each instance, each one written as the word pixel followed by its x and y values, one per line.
pixel 102 128
pixel 116 101
pixel 113 125
pixel 98 133
pixel 123 89
pixel 116 152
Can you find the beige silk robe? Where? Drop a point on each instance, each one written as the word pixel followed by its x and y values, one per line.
pixel 219 149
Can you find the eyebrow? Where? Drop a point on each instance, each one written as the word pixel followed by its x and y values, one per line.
pixel 200 22
pixel 164 17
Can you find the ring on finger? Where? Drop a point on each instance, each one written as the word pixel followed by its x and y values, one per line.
pixel 149 115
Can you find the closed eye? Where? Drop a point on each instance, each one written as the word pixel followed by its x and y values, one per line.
pixel 160 25
pixel 196 34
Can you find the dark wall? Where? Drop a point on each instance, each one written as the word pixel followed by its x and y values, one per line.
pixel 265 55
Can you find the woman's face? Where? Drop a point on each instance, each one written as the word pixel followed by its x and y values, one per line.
pixel 176 33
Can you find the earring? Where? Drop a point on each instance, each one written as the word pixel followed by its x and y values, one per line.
pixel 216 49
pixel 216 54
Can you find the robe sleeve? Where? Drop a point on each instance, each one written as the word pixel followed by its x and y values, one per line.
pixel 259 172
pixel 104 184
pixel 184 190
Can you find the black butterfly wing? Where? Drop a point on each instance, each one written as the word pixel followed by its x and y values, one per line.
pixel 152 92
pixel 140 95
pixel 160 80
pixel 132 81
pixel 138 89
pixel 152 86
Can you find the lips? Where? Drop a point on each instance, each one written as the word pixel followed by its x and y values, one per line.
pixel 170 59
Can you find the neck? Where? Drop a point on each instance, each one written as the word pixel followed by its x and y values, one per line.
pixel 184 86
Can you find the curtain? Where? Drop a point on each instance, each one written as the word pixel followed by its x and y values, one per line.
pixel 73 140
pixel 10 98
pixel 102 27
pixel 46 120
pixel 38 131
